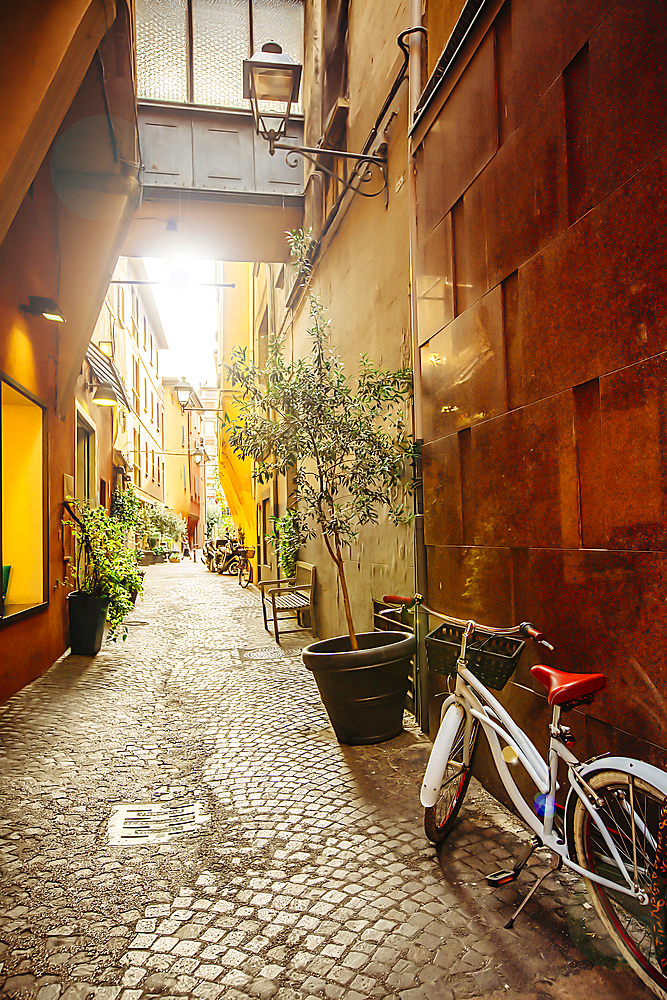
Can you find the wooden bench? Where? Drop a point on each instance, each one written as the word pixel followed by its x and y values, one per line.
pixel 289 598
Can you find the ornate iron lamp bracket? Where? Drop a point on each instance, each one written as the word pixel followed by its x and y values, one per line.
pixel 364 170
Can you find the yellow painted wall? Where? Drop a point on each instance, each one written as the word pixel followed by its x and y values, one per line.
pixel 22 502
pixel 235 473
pixel 176 487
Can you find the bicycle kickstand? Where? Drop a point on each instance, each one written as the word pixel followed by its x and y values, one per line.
pixel 554 864
pixel 507 875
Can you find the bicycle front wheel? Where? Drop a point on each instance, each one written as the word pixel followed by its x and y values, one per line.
pixel 625 918
pixel 233 566
pixel 245 574
pixel 439 819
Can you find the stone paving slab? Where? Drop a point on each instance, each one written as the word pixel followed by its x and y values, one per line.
pixel 311 877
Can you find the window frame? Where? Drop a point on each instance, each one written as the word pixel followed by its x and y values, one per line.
pixel 7 620
pixel 191 58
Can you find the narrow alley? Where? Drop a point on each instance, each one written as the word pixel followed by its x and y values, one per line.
pixel 300 869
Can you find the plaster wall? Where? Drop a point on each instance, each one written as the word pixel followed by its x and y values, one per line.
pixel 29 355
pixel 361 275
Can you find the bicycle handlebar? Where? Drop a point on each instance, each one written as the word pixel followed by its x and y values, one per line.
pixel 525 628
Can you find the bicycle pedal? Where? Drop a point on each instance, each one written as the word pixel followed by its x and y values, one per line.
pixel 503 877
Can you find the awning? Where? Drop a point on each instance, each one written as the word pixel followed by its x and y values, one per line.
pixel 105 370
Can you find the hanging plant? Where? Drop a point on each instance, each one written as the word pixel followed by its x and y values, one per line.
pixel 287 539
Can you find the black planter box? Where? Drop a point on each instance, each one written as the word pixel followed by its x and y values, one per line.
pixel 87 615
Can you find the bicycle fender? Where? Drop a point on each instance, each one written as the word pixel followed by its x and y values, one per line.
pixel 437 762
pixel 626 765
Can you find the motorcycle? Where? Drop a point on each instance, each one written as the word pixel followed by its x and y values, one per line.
pixel 226 559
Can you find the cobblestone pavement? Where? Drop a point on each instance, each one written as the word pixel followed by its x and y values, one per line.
pixel 307 874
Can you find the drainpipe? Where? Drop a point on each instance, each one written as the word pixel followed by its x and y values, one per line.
pixel 414 85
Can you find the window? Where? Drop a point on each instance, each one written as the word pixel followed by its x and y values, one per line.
pixel 145 335
pixel 135 384
pixel 153 463
pixel 146 447
pixel 84 481
pixel 152 406
pixel 23 542
pixel 157 416
pixel 192 51
pixel 265 531
pixel 145 396
pixel 136 470
pixel 335 39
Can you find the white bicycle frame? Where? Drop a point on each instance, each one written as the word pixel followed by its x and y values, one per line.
pixel 472 698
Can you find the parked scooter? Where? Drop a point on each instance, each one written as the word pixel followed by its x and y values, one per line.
pixel 226 559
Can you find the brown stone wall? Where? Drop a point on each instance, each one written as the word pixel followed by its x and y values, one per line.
pixel 543 303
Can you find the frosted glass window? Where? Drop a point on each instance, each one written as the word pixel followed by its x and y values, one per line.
pixel 221 41
pixel 279 21
pixel 162 50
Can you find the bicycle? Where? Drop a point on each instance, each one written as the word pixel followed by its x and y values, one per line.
pixel 607 830
pixel 245 566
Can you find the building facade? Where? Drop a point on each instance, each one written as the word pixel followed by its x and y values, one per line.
pixel 69 182
pixel 129 331
pixel 539 149
pixel 184 467
pixel 515 262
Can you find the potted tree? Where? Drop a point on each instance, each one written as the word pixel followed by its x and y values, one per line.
pixel 343 438
pixel 105 574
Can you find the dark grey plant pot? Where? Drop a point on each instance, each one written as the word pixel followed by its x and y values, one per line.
pixel 363 690
pixel 87 615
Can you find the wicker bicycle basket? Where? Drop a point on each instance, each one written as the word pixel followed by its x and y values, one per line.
pixel 491 658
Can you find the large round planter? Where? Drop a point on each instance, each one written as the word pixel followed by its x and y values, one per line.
pixel 363 690
pixel 87 615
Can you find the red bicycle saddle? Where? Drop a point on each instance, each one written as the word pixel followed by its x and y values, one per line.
pixel 562 687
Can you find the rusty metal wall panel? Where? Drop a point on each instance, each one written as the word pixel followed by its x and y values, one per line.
pixel 223 153
pixel 166 148
pixel 272 173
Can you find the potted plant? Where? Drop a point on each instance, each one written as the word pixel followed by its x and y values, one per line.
pixel 105 574
pixel 343 437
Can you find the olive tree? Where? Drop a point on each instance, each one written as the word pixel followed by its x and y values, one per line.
pixel 342 434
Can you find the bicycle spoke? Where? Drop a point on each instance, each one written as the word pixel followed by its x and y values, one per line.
pixel 625 917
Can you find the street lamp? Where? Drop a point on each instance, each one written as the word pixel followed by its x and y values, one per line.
pixel 183 393
pixel 105 395
pixel 272 76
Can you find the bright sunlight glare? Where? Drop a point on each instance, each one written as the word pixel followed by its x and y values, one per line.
pixel 189 315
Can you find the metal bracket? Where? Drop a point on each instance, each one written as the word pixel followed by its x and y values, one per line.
pixel 314 154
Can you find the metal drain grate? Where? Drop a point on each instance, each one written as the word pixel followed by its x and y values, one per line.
pixel 154 823
pixel 262 653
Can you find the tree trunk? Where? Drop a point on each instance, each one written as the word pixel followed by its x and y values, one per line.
pixel 346 603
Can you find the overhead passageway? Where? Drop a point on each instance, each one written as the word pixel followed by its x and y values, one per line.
pixel 211 189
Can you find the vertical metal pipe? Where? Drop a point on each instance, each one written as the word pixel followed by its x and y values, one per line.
pixel 414 90
pixel 190 55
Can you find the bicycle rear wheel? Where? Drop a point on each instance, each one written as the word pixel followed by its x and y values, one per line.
pixel 245 573
pixel 625 918
pixel 439 819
